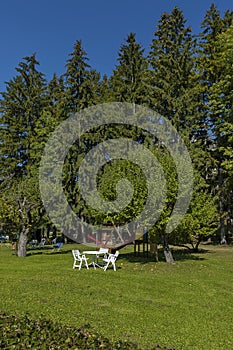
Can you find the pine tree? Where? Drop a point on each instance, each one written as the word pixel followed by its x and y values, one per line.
pixel 128 80
pixel 81 81
pixel 212 73
pixel 105 90
pixel 172 78
pixel 82 90
pixel 221 104
pixel 21 107
pixel 173 82
pixel 212 25
pixel 56 96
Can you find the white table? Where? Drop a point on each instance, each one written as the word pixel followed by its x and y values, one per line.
pixel 95 254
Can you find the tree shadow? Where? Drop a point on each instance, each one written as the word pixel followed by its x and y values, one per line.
pixel 48 251
pixel 178 255
pixel 186 254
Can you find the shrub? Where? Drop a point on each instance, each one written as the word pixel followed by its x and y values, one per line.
pixel 23 332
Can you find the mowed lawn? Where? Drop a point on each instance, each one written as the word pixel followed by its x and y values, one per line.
pixel 188 305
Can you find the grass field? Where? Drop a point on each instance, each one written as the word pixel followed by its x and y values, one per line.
pixel 188 305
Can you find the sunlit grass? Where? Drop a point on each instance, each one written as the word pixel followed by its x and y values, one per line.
pixel 187 305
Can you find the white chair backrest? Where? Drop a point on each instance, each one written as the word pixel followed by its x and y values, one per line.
pixel 103 250
pixel 75 252
pixel 114 256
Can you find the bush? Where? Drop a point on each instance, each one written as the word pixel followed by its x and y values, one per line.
pixel 23 332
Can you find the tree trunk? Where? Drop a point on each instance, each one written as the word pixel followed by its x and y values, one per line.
pixel 22 244
pixel 196 246
pixel 221 207
pixel 229 214
pixel 167 250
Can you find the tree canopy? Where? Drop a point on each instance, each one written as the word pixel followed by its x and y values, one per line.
pixel 185 78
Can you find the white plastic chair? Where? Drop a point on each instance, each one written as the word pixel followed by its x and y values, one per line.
pixel 42 242
pixel 101 254
pixel 33 244
pixel 111 259
pixel 79 259
pixel 103 251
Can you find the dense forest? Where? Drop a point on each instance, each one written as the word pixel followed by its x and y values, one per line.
pixel 186 78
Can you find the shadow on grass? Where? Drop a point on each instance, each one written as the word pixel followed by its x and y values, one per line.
pixel 185 254
pixel 178 255
pixel 48 251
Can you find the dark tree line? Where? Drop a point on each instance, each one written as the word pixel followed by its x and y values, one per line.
pixel 186 78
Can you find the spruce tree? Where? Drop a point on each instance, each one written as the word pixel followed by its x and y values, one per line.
pixel 221 104
pixel 128 80
pixel 82 90
pixel 56 96
pixel 81 81
pixel 212 73
pixel 172 81
pixel 21 108
pixel 172 77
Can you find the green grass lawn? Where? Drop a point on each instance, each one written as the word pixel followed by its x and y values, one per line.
pixel 188 305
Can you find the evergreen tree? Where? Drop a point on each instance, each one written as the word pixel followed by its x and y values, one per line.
pixel 82 82
pixel 212 25
pixel 172 78
pixel 56 96
pixel 21 107
pixel 209 71
pixel 128 80
pixel 82 90
pixel 212 73
pixel 173 84
pixel 221 104
pixel 53 112
pixel 105 90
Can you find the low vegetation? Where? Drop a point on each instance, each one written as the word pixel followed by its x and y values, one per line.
pixel 25 332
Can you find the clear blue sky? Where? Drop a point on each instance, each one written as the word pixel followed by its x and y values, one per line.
pixel 51 27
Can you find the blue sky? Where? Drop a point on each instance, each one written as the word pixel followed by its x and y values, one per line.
pixel 51 27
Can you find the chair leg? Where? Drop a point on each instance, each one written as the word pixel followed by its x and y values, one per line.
pixel 113 265
pixel 86 264
pixel 106 266
pixel 75 264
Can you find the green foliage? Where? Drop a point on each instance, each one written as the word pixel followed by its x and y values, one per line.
pixel 9 215
pixel 25 332
pixel 216 67
pixel 128 79
pixel 80 80
pixel 172 78
pixel 20 108
pixel 200 222
pixel 221 98
pixel 186 80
